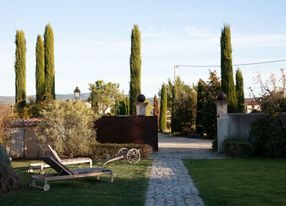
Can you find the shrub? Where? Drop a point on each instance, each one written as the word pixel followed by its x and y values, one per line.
pixel 237 147
pixel 268 137
pixel 8 178
pixel 105 151
pixel 68 127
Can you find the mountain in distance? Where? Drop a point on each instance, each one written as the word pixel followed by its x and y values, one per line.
pixel 83 96
pixel 11 99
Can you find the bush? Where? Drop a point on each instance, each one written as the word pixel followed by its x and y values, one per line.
pixel 268 137
pixel 8 178
pixel 236 147
pixel 68 127
pixel 105 151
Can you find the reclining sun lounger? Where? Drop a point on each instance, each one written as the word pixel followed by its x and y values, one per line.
pixel 78 160
pixel 64 173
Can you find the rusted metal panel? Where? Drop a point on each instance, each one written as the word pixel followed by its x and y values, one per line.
pixel 128 129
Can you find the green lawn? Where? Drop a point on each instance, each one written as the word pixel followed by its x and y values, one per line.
pixel 129 188
pixel 240 181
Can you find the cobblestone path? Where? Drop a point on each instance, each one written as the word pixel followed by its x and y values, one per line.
pixel 169 182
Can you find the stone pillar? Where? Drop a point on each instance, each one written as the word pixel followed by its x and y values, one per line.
pixel 141 105
pixel 222 129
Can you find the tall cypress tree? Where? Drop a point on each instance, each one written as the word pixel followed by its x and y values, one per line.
pixel 20 70
pixel 156 109
pixel 40 69
pixel 49 63
pixel 227 83
pixel 163 109
pixel 135 69
pixel 200 104
pixel 239 91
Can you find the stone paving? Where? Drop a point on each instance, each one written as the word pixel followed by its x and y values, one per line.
pixel 169 183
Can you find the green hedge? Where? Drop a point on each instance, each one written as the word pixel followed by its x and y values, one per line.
pixel 236 147
pixel 105 151
pixel 268 136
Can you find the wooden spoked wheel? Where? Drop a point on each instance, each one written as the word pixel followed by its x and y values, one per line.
pixel 133 155
pixel 123 151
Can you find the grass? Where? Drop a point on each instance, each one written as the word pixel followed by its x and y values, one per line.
pixel 240 181
pixel 129 188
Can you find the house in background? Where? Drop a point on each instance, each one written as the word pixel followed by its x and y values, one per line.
pixel 252 105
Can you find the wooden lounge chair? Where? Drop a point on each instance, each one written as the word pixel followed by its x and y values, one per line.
pixel 64 173
pixel 70 161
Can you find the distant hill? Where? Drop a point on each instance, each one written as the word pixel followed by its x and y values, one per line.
pixel 83 96
pixel 11 99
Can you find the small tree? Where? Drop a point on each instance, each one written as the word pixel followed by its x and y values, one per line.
pixel 69 127
pixel 20 70
pixel 135 69
pixel 123 106
pixel 163 109
pixel 184 107
pixel 156 108
pixel 201 102
pixel 227 83
pixel 49 63
pixel 239 91
pixel 103 96
pixel 40 69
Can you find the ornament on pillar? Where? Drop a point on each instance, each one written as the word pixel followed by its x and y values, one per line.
pixel 141 105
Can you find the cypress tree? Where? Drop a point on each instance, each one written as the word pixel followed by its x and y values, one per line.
pixel 163 109
pixel 40 69
pixel 156 109
pixel 227 83
pixel 200 104
pixel 49 63
pixel 239 91
pixel 135 69
pixel 20 70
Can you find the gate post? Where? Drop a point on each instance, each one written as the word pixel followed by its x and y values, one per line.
pixel 221 108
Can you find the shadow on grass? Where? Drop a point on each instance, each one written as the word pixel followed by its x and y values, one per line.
pixel 129 188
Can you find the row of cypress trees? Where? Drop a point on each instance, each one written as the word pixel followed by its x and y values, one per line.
pixel 234 93
pixel 45 67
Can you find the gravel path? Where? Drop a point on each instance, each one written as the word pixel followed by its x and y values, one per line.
pixel 170 183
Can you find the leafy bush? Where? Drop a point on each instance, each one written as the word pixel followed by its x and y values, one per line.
pixel 268 137
pixel 105 151
pixel 68 127
pixel 237 147
pixel 8 178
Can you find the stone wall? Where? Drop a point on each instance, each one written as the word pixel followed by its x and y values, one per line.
pixel 22 138
pixel 236 125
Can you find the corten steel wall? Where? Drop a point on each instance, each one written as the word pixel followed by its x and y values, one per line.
pixel 128 129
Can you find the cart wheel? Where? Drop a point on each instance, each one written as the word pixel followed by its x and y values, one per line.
pixel 46 187
pixel 122 151
pixel 133 155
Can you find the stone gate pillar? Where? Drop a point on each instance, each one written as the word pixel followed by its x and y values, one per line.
pixel 221 108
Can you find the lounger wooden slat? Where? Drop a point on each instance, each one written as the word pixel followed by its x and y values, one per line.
pixel 64 173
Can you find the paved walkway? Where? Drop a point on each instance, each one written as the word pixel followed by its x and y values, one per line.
pixel 170 183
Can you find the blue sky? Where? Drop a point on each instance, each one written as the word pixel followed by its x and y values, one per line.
pixel 92 39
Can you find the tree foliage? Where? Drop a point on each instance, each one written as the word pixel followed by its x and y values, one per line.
pixel 20 70
pixel 135 69
pixel 68 127
pixel 163 109
pixel 40 69
pixel 239 91
pixel 103 97
pixel 49 63
pixel 206 110
pixel 227 83
pixel 184 107
pixel 273 94
pixel 122 106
